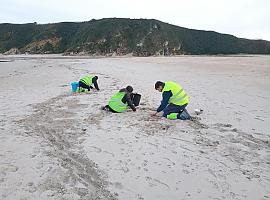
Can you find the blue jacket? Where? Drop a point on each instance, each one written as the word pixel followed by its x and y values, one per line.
pixel 165 100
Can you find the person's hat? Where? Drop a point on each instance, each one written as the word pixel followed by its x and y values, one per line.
pixel 129 89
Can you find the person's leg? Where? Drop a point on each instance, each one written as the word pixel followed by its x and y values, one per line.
pixel 171 108
pixel 173 111
pixel 83 85
pixel 108 108
pixel 182 108
pixel 184 115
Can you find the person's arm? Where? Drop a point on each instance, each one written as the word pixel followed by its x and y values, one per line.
pixel 165 100
pixel 129 102
pixel 96 84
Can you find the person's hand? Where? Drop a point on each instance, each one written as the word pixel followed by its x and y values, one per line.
pixel 154 114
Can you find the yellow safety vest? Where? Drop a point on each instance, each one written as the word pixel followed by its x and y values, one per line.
pixel 116 103
pixel 179 96
pixel 87 80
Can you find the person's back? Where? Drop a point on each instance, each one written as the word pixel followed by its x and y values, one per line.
pixel 127 98
pixel 121 100
pixel 87 81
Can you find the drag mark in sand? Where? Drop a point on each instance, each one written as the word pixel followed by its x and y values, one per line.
pixel 55 121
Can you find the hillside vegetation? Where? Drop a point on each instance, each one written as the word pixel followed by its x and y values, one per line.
pixel 140 37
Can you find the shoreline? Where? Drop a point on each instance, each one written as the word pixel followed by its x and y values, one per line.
pixel 61 56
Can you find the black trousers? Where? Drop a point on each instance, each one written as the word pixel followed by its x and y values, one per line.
pixel 83 85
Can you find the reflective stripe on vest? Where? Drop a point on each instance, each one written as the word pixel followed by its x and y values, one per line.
pixel 179 99
pixel 179 96
pixel 175 96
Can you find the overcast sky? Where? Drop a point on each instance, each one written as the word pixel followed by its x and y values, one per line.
pixel 242 18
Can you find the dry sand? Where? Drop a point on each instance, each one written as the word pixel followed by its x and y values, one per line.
pixel 59 145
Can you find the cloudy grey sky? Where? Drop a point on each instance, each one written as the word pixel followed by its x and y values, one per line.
pixel 242 18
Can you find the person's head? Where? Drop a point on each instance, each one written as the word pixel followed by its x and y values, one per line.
pixel 95 77
pixel 159 86
pixel 129 89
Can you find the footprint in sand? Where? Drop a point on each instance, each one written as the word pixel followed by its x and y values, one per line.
pixel 156 183
pixel 2 180
pixel 94 149
pixel 258 118
pixel 224 127
pixel 31 187
pixel 121 141
pixel 170 162
pixel 219 125
pixel 144 164
pixel 109 153
pixel 4 169
pixel 185 171
pixel 118 185
pixel 123 166
pixel 8 168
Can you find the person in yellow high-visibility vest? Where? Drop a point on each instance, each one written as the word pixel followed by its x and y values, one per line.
pixel 121 101
pixel 87 81
pixel 174 100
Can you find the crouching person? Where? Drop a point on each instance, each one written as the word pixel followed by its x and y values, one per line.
pixel 174 100
pixel 121 101
pixel 86 83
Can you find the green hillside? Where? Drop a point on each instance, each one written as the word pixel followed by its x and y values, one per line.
pixel 141 37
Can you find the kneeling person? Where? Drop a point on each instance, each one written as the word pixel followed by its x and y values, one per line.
pixel 87 81
pixel 121 101
pixel 174 100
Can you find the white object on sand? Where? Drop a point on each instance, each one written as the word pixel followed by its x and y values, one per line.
pixel 198 111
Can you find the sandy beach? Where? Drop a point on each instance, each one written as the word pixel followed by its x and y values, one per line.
pixel 55 144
